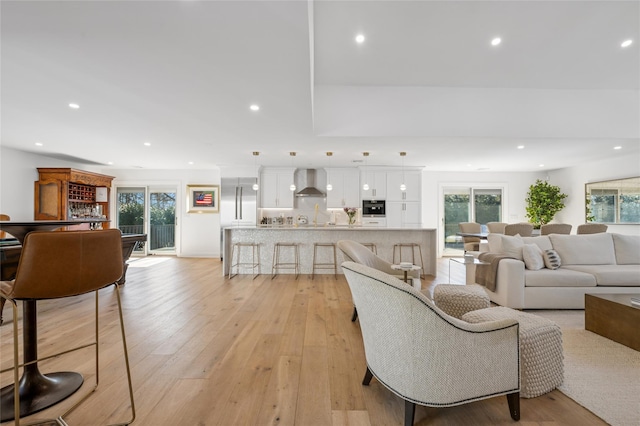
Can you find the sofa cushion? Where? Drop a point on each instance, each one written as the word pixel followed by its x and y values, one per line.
pixel 541 241
pixel 551 259
pixel 627 249
pixel 589 249
pixel 611 275
pixel 532 255
pixel 561 277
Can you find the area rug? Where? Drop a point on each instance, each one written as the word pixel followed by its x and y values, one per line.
pixel 599 374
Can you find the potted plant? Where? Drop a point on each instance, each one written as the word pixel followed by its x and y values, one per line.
pixel 543 202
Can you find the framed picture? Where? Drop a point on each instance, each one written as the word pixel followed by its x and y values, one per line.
pixel 203 198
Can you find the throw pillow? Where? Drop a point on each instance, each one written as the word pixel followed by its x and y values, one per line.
pixel 551 259
pixel 532 255
pixel 512 246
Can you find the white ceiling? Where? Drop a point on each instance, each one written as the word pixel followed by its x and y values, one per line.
pixel 182 74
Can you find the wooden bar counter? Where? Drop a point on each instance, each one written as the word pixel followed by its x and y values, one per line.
pixel 306 236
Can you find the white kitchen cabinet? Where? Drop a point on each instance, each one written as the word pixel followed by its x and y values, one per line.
pixel 412 180
pixel 346 188
pixel 374 222
pixel 274 188
pixel 377 181
pixel 401 214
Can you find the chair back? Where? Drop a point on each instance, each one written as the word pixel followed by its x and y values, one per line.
pixel 4 217
pixel 556 228
pixel 592 228
pixel 496 227
pixel 413 347
pixel 523 229
pixel 61 264
pixel 470 243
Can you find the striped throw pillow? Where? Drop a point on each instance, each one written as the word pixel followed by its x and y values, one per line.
pixel 551 259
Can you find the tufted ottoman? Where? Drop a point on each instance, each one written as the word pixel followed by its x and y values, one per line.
pixel 541 358
pixel 456 300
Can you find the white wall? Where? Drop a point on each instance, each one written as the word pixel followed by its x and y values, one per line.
pixel 572 181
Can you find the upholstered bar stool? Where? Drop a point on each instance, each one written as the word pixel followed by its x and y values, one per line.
pixel 278 263
pixel 324 265
pixel 255 254
pixel 397 248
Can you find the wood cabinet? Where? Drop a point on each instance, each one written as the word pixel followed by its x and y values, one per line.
pixel 274 188
pixel 346 188
pixel 66 194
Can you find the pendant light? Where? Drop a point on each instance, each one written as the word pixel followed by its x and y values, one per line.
pixel 255 165
pixel 329 186
pixel 292 187
pixel 365 186
pixel 403 187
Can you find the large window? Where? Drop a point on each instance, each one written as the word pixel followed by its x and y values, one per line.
pixel 613 201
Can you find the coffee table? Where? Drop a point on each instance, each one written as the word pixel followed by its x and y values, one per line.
pixel 612 316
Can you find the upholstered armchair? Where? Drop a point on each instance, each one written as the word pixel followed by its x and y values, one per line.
pixel 555 228
pixel 470 243
pixel 496 227
pixel 356 252
pixel 523 229
pixel 427 357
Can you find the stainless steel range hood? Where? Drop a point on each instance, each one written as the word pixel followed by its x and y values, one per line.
pixel 310 189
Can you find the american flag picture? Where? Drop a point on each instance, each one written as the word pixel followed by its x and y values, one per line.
pixel 203 198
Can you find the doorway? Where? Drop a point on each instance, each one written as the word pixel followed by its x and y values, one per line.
pixel 479 204
pixel 151 211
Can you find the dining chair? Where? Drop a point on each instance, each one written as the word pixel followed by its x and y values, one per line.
pixel 427 357
pixel 592 228
pixel 57 265
pixel 523 229
pixel 470 243
pixel 555 228
pixel 496 227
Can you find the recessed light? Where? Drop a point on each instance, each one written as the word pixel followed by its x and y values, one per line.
pixel 626 43
pixel 74 106
pixel 496 41
pixel 540 165
pixel 39 144
pixel 110 163
pixel 617 147
pixel 254 107
pixel 191 163
pixel 360 38
pixel 520 146
pixel 147 144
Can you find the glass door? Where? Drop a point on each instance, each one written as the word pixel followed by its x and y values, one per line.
pixel 468 204
pixel 151 211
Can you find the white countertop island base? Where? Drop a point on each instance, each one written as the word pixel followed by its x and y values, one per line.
pixel 305 237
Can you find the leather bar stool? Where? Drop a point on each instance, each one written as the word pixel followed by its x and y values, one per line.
pixel 255 254
pixel 397 248
pixel 278 263
pixel 324 265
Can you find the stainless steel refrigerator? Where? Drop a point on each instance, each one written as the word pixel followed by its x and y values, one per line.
pixel 238 203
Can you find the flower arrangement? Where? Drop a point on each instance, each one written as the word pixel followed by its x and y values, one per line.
pixel 351 214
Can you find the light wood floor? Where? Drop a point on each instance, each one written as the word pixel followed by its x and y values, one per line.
pixel 206 350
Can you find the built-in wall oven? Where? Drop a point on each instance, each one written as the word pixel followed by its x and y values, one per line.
pixel 373 208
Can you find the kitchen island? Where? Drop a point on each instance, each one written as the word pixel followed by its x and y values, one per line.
pixel 306 236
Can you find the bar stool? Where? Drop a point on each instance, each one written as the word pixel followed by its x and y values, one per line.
pixel 255 253
pixel 278 264
pixel 413 247
pixel 324 265
pixel 371 247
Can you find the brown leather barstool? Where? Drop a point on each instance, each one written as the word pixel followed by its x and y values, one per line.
pixel 58 265
pixel 324 265
pixel 278 263
pixel 236 248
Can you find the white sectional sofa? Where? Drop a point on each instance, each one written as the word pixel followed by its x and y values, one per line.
pixel 592 263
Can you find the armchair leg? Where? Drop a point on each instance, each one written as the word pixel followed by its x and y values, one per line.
pixel 409 412
pixel 514 405
pixel 367 377
pixel 354 317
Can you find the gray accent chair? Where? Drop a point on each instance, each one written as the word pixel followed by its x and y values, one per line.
pixel 470 243
pixel 556 228
pixel 427 357
pixel 356 252
pixel 523 229
pixel 592 228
